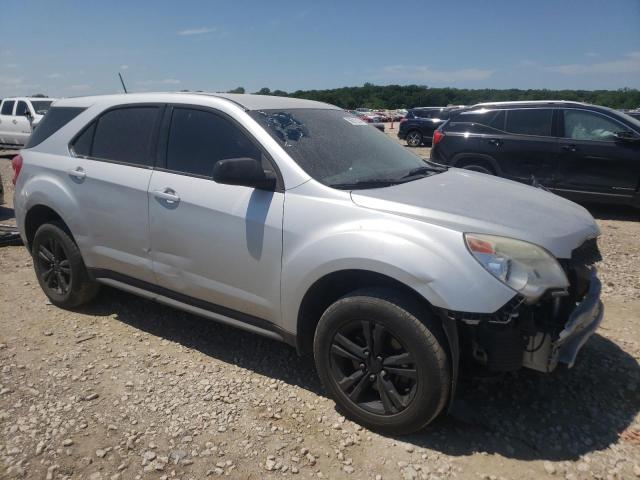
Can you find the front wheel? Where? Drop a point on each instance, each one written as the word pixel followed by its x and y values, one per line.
pixel 381 359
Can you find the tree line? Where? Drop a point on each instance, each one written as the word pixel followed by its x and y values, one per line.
pixel 408 96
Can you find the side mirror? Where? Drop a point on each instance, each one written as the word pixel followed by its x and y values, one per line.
pixel 627 136
pixel 247 172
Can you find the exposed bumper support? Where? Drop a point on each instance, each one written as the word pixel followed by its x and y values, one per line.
pixel 545 354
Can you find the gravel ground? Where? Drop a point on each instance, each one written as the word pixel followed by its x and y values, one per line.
pixel 126 388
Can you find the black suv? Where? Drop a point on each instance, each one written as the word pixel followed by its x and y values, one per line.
pixel 418 125
pixel 580 151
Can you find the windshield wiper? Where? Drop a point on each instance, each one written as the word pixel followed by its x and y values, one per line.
pixel 425 169
pixel 362 184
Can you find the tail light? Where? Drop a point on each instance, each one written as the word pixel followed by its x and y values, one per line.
pixel 16 164
pixel 437 136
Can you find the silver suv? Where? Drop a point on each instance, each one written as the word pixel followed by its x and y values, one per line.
pixel 298 221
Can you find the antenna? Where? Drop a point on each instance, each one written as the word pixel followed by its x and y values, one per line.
pixel 122 82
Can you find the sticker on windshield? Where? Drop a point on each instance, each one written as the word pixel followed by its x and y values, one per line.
pixel 355 121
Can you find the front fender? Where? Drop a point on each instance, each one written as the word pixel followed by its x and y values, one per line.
pixel 429 259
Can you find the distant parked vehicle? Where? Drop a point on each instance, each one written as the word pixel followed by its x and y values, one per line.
pixel 580 151
pixel 368 118
pixel 633 113
pixel 19 116
pixel 399 114
pixel 383 115
pixel 418 125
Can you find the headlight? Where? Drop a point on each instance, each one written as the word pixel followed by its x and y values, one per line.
pixel 523 266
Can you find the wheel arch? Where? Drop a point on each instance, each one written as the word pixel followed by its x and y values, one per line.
pixel 38 215
pixel 332 286
pixel 461 157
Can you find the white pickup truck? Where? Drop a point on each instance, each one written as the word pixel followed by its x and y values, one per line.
pixel 19 116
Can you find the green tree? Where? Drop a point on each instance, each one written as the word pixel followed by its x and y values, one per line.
pixel 408 96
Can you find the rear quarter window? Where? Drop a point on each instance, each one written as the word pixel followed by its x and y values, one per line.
pixel 478 121
pixel 54 120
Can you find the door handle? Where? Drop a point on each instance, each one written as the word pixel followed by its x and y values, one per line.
pixel 78 173
pixel 495 141
pixel 569 148
pixel 14 121
pixel 167 194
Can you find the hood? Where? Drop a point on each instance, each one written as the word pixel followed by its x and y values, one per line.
pixel 468 201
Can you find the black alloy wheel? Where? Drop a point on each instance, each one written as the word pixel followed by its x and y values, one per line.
pixel 380 355
pixel 59 267
pixel 373 368
pixel 53 266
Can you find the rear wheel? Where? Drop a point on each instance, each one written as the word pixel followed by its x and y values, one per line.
pixel 59 267
pixel 414 138
pixel 378 356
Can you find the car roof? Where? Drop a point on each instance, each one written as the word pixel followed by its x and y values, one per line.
pixel 531 103
pixel 35 99
pixel 246 101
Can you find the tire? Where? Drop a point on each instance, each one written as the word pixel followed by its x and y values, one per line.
pixel 477 166
pixel 414 138
pixel 403 383
pixel 59 267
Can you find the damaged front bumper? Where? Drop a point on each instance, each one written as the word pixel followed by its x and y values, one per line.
pixel 536 336
pixel 544 353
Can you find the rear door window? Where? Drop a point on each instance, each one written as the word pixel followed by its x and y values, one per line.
pixel 199 139
pixel 121 135
pixel 7 107
pixel 530 121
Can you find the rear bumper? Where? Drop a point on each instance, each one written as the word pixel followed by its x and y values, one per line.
pixel 544 354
